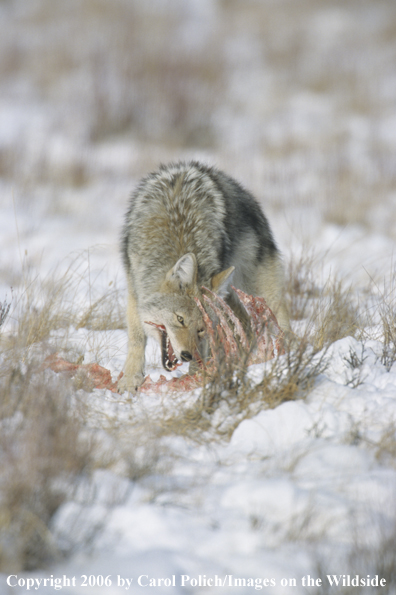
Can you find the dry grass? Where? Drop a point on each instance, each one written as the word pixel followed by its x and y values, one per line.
pixel 233 394
pixel 124 73
pixel 44 450
pixel 131 73
pixel 328 309
pixel 49 444
pixel 46 437
pixel 4 311
pixel 327 313
pixel 385 449
pixel 380 317
pixel 377 559
pixel 59 301
pixel 310 115
pixel 44 446
pixel 387 313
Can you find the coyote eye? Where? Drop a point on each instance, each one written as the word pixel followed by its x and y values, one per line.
pixel 180 319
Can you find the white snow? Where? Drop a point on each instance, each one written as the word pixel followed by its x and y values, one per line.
pixel 294 486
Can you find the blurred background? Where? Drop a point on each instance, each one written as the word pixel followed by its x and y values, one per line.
pixel 295 98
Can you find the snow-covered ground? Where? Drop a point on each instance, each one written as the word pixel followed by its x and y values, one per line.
pixel 298 103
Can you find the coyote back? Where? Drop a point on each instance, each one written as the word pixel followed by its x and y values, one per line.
pixel 190 225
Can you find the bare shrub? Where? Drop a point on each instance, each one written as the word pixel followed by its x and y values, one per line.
pixel 355 362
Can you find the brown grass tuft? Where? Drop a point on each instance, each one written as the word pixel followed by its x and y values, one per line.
pixel 329 310
pixel 43 450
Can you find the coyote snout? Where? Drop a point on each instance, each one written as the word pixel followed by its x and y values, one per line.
pixel 172 317
pixel 190 226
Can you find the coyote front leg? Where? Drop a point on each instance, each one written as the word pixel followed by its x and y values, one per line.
pixel 134 365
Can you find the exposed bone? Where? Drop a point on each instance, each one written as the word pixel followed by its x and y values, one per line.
pixel 238 328
pixel 261 316
pixel 229 337
pixel 208 325
pixel 267 342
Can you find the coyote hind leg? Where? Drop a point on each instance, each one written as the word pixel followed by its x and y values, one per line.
pixel 270 285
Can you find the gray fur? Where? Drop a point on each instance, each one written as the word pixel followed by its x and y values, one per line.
pixel 186 209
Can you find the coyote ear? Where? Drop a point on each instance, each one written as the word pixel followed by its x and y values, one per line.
pixel 221 282
pixel 185 270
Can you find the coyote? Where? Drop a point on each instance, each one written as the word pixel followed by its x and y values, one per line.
pixel 190 225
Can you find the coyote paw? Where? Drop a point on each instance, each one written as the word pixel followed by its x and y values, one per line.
pixel 130 383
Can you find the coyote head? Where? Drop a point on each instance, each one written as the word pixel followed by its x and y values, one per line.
pixel 172 316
